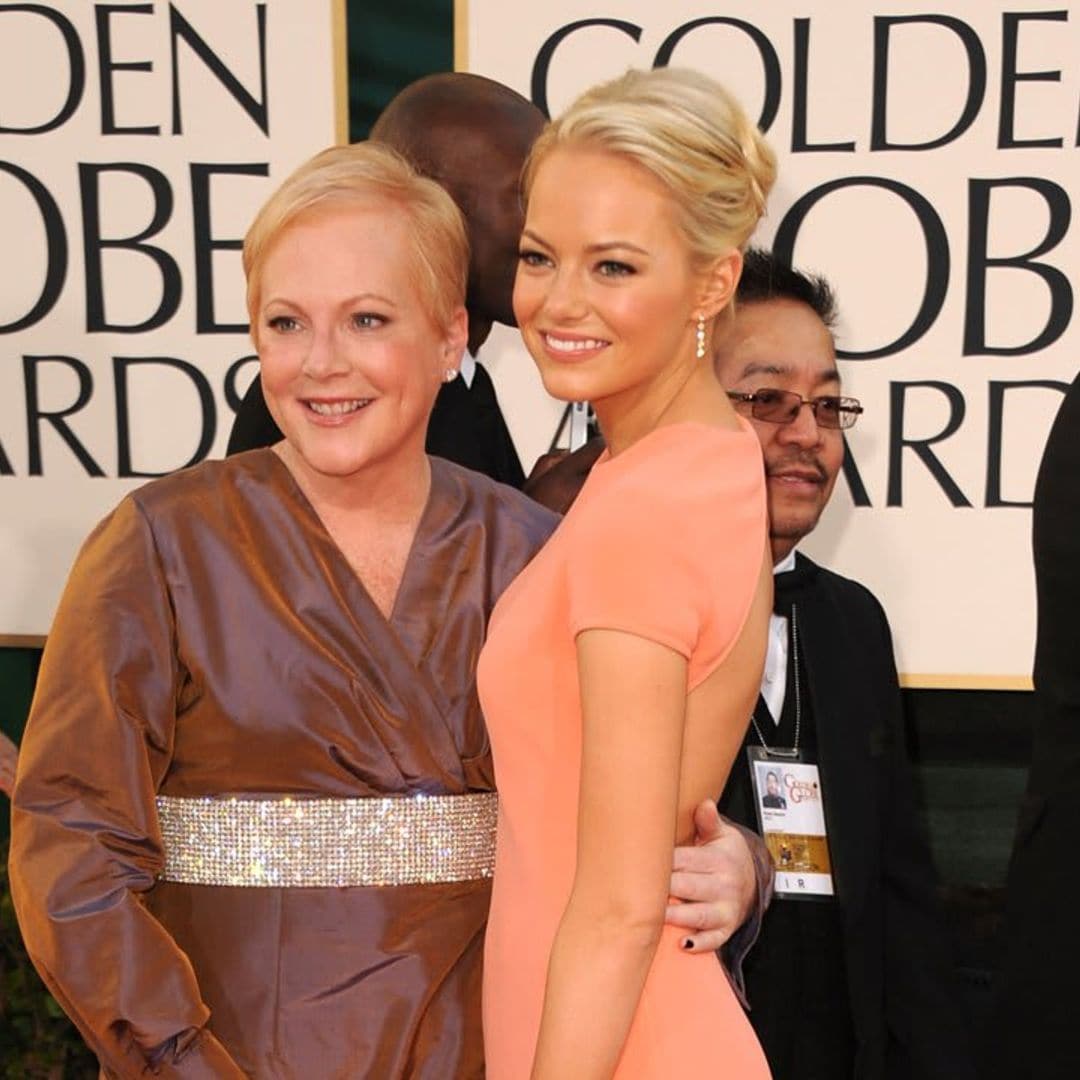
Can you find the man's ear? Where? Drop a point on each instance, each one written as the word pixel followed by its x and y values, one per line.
pixel 720 282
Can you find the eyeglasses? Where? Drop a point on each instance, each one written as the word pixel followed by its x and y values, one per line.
pixel 782 407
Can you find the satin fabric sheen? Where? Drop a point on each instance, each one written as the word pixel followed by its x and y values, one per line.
pixel 213 640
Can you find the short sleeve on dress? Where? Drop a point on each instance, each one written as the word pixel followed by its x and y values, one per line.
pixel 671 547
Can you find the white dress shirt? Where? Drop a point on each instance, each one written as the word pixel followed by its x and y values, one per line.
pixel 774 678
pixel 467 369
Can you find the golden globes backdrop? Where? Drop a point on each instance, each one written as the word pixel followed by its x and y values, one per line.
pixel 927 168
pixel 136 142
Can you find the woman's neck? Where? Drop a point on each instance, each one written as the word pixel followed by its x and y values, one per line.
pixel 687 393
pixel 395 489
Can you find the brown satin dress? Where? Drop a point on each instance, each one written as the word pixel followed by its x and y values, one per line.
pixel 213 640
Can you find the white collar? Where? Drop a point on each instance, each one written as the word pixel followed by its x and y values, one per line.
pixel 467 370
pixel 786 563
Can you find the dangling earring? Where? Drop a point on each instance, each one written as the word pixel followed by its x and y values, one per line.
pixel 449 375
pixel 700 336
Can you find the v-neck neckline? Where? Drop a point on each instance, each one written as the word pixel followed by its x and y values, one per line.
pixel 301 496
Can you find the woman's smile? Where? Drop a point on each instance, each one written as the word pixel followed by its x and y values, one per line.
pixel 571 347
pixel 336 411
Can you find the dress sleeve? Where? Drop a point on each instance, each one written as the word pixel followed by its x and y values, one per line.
pixel 85 843
pixel 673 552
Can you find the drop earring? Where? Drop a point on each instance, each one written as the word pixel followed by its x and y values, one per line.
pixel 700 337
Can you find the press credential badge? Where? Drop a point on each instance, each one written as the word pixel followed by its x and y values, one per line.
pixel 791 813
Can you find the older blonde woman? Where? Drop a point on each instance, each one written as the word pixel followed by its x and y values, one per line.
pixel 255 784
pixel 623 663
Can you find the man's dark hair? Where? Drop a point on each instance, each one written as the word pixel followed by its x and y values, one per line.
pixel 765 277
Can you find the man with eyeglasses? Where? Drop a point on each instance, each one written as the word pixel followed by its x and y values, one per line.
pixel 851 974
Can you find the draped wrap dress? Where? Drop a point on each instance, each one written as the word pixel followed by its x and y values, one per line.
pixel 213 641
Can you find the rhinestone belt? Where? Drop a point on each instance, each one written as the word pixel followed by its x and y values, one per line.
pixel 291 842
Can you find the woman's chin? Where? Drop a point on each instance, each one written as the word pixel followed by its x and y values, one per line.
pixel 334 465
pixel 330 454
pixel 344 457
pixel 566 385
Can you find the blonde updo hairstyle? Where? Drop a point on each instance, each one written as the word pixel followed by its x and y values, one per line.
pixel 361 174
pixel 688 132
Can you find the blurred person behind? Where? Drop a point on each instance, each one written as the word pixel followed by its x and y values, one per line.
pixel 1034 1018
pixel 858 982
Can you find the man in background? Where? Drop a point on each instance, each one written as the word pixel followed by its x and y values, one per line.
pixel 472 135
pixel 851 976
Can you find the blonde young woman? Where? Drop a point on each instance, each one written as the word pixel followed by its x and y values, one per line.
pixel 622 664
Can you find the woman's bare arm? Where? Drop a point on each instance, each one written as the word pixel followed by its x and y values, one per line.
pixel 633 694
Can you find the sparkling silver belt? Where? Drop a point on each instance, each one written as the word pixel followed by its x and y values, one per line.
pixel 297 842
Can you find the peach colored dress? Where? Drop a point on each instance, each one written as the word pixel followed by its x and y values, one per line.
pixel 666 542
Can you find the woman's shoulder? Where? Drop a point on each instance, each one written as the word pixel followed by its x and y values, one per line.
pixel 690 442
pixel 167 515
pixel 682 464
pixel 213 482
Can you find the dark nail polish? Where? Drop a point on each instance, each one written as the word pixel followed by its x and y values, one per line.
pixel 688 943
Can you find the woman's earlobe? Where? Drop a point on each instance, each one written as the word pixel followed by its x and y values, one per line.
pixel 723 281
pixel 458 337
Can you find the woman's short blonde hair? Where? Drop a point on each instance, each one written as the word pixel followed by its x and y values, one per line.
pixel 362 173
pixel 688 132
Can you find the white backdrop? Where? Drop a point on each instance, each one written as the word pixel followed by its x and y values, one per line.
pixel 928 164
pixel 135 147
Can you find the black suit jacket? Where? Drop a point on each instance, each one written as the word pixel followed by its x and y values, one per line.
pixel 466 427
pixel 1034 1032
pixel 904 1004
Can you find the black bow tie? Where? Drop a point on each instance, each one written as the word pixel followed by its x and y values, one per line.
pixel 792 585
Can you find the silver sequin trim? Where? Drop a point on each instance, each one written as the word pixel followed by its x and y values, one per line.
pixel 300 842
